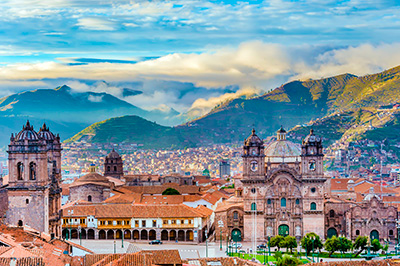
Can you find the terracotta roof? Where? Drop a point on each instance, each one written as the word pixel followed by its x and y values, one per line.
pixel 117 182
pixel 339 184
pixel 91 178
pixel 163 199
pixel 362 187
pixel 114 211
pixel 79 210
pixel 125 198
pixel 165 211
pixel 160 189
pixel 204 210
pixel 164 256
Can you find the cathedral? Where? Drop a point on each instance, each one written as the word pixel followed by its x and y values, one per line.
pixel 282 189
pixel 34 193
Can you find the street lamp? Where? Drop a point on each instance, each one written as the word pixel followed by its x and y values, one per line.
pixel 80 235
pixel 220 225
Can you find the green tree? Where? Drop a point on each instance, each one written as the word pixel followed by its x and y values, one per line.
pixel 289 243
pixel 375 245
pixel 345 244
pixel 332 245
pixel 360 243
pixel 276 240
pixel 310 240
pixel 288 261
pixel 171 191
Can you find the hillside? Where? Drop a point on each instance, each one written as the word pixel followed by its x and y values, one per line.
pixel 131 129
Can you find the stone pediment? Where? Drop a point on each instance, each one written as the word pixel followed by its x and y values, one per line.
pixel 283 169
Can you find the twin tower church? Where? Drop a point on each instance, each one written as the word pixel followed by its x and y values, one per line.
pixel 283 187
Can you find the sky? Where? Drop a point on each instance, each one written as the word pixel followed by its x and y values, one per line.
pixel 191 55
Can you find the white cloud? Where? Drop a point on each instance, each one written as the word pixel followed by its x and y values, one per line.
pixel 95 99
pixel 96 24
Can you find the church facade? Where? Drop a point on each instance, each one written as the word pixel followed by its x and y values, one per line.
pixel 34 193
pixel 283 187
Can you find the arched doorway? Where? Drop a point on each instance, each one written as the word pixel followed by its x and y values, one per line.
pixel 164 235
pixel 152 235
pixel 90 234
pixel 83 234
pixel 110 234
pixel 374 235
pixel 118 234
pixel 102 234
pixel 127 234
pixel 189 235
pixel 74 234
pixel 331 232
pixel 283 230
pixel 181 235
pixel 65 233
pixel 172 235
pixel 20 223
pixel 236 235
pixel 143 235
pixel 135 234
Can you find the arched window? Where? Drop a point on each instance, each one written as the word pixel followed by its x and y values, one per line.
pixel 20 171
pixel 20 223
pixel 313 206
pixel 390 232
pixel 27 201
pixel 235 215
pixel 108 168
pixel 331 213
pixel 357 232
pixel 253 206
pixel 283 202
pixel 89 198
pixel 115 169
pixel 269 201
pixel 297 201
pixel 32 171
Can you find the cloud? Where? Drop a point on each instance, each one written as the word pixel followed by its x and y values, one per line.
pixel 95 99
pixel 198 81
pixel 96 24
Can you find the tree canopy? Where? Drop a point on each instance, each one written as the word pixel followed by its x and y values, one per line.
pixel 171 191
pixel 311 240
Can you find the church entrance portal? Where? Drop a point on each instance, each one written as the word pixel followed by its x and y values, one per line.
pixel 283 230
pixel 331 232
pixel 374 235
pixel 236 235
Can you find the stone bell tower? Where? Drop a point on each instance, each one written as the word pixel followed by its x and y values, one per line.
pixel 253 157
pixel 313 189
pixel 34 193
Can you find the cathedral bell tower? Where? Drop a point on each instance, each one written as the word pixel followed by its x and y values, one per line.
pixel 253 158
pixel 312 157
pixel 34 193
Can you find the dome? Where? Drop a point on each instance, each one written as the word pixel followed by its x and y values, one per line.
pixel 27 132
pixel 282 150
pixel 113 154
pixel 253 140
pixel 44 133
pixel 92 178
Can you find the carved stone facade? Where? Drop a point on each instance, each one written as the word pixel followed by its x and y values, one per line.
pixel 368 218
pixel 34 193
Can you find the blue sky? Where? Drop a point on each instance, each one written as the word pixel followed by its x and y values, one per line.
pixel 221 49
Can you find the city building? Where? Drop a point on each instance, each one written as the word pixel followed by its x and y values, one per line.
pixel 34 193
pixel 224 168
pixel 113 165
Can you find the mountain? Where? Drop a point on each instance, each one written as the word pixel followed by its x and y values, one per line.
pixel 66 111
pixel 131 129
pixel 295 103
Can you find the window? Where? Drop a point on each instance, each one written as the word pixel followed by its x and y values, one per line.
pixel 331 213
pixel 182 221
pixel 313 206
pixel 390 232
pixel 165 221
pixel 154 223
pixel 313 189
pixel 118 222
pixel 269 201
pixel 109 222
pixel 173 222
pixel 127 222
pixel 190 221
pixel 297 201
pixel 283 202
pixel 89 198
pixel 20 223
pixel 136 223
pixel 27 201
pixel 82 221
pixel 143 223
pixel 32 171
pixel 357 232
pixel 253 190
pixel 20 171
pixel 253 206
pixel 115 169
pixel 235 215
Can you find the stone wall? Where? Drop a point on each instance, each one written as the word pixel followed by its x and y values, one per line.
pixel 3 202
pixel 97 193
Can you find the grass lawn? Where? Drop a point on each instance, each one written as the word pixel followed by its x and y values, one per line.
pixel 260 258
